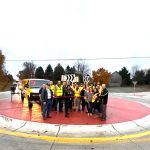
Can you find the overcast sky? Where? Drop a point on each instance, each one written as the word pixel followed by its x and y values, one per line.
pixel 53 29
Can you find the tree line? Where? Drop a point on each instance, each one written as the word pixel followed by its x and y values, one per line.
pixel 31 71
pixel 80 68
pixel 141 76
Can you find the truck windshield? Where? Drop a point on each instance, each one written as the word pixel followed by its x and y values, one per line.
pixel 38 83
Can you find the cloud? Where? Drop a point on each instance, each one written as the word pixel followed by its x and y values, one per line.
pixel 36 29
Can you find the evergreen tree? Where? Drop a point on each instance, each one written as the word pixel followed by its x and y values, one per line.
pixel 73 70
pixel 70 70
pixel 147 77
pixel 67 70
pixel 139 77
pixel 58 71
pixel 125 76
pixel 49 73
pixel 39 73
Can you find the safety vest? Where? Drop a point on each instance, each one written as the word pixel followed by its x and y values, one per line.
pixel 59 91
pixel 52 87
pixel 73 88
pixel 94 97
pixel 80 88
pixel 77 93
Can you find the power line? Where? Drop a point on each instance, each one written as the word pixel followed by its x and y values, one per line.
pixel 71 59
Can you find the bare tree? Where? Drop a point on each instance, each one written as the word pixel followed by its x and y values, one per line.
pixel 81 68
pixel 28 71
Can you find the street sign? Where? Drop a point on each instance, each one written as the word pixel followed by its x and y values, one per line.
pixel 76 79
pixel 86 78
pixel 134 82
pixel 68 77
pixel 63 78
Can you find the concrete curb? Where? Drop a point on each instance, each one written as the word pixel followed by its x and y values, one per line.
pixel 62 130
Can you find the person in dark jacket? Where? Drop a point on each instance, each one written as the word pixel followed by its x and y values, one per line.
pixel 104 100
pixel 46 96
pixel 40 92
pixel 68 95
pixel 82 92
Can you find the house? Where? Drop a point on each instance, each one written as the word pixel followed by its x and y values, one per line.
pixel 116 79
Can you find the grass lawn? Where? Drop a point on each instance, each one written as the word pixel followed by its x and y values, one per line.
pixel 144 88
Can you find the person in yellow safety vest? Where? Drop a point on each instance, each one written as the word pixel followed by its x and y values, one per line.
pixel 59 94
pixel 52 87
pixel 73 86
pixel 77 98
pixel 82 93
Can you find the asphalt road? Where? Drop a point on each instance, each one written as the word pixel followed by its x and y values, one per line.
pixel 8 142
pixel 18 143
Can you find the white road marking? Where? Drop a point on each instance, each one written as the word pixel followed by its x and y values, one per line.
pixel 4 98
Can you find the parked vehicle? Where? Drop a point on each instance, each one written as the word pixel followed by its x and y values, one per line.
pixel 30 90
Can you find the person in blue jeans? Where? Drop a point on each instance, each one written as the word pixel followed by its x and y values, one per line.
pixel 46 96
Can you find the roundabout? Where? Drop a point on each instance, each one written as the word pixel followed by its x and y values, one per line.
pixel 119 110
pixel 126 120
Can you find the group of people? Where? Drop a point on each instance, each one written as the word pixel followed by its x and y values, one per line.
pixel 66 97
